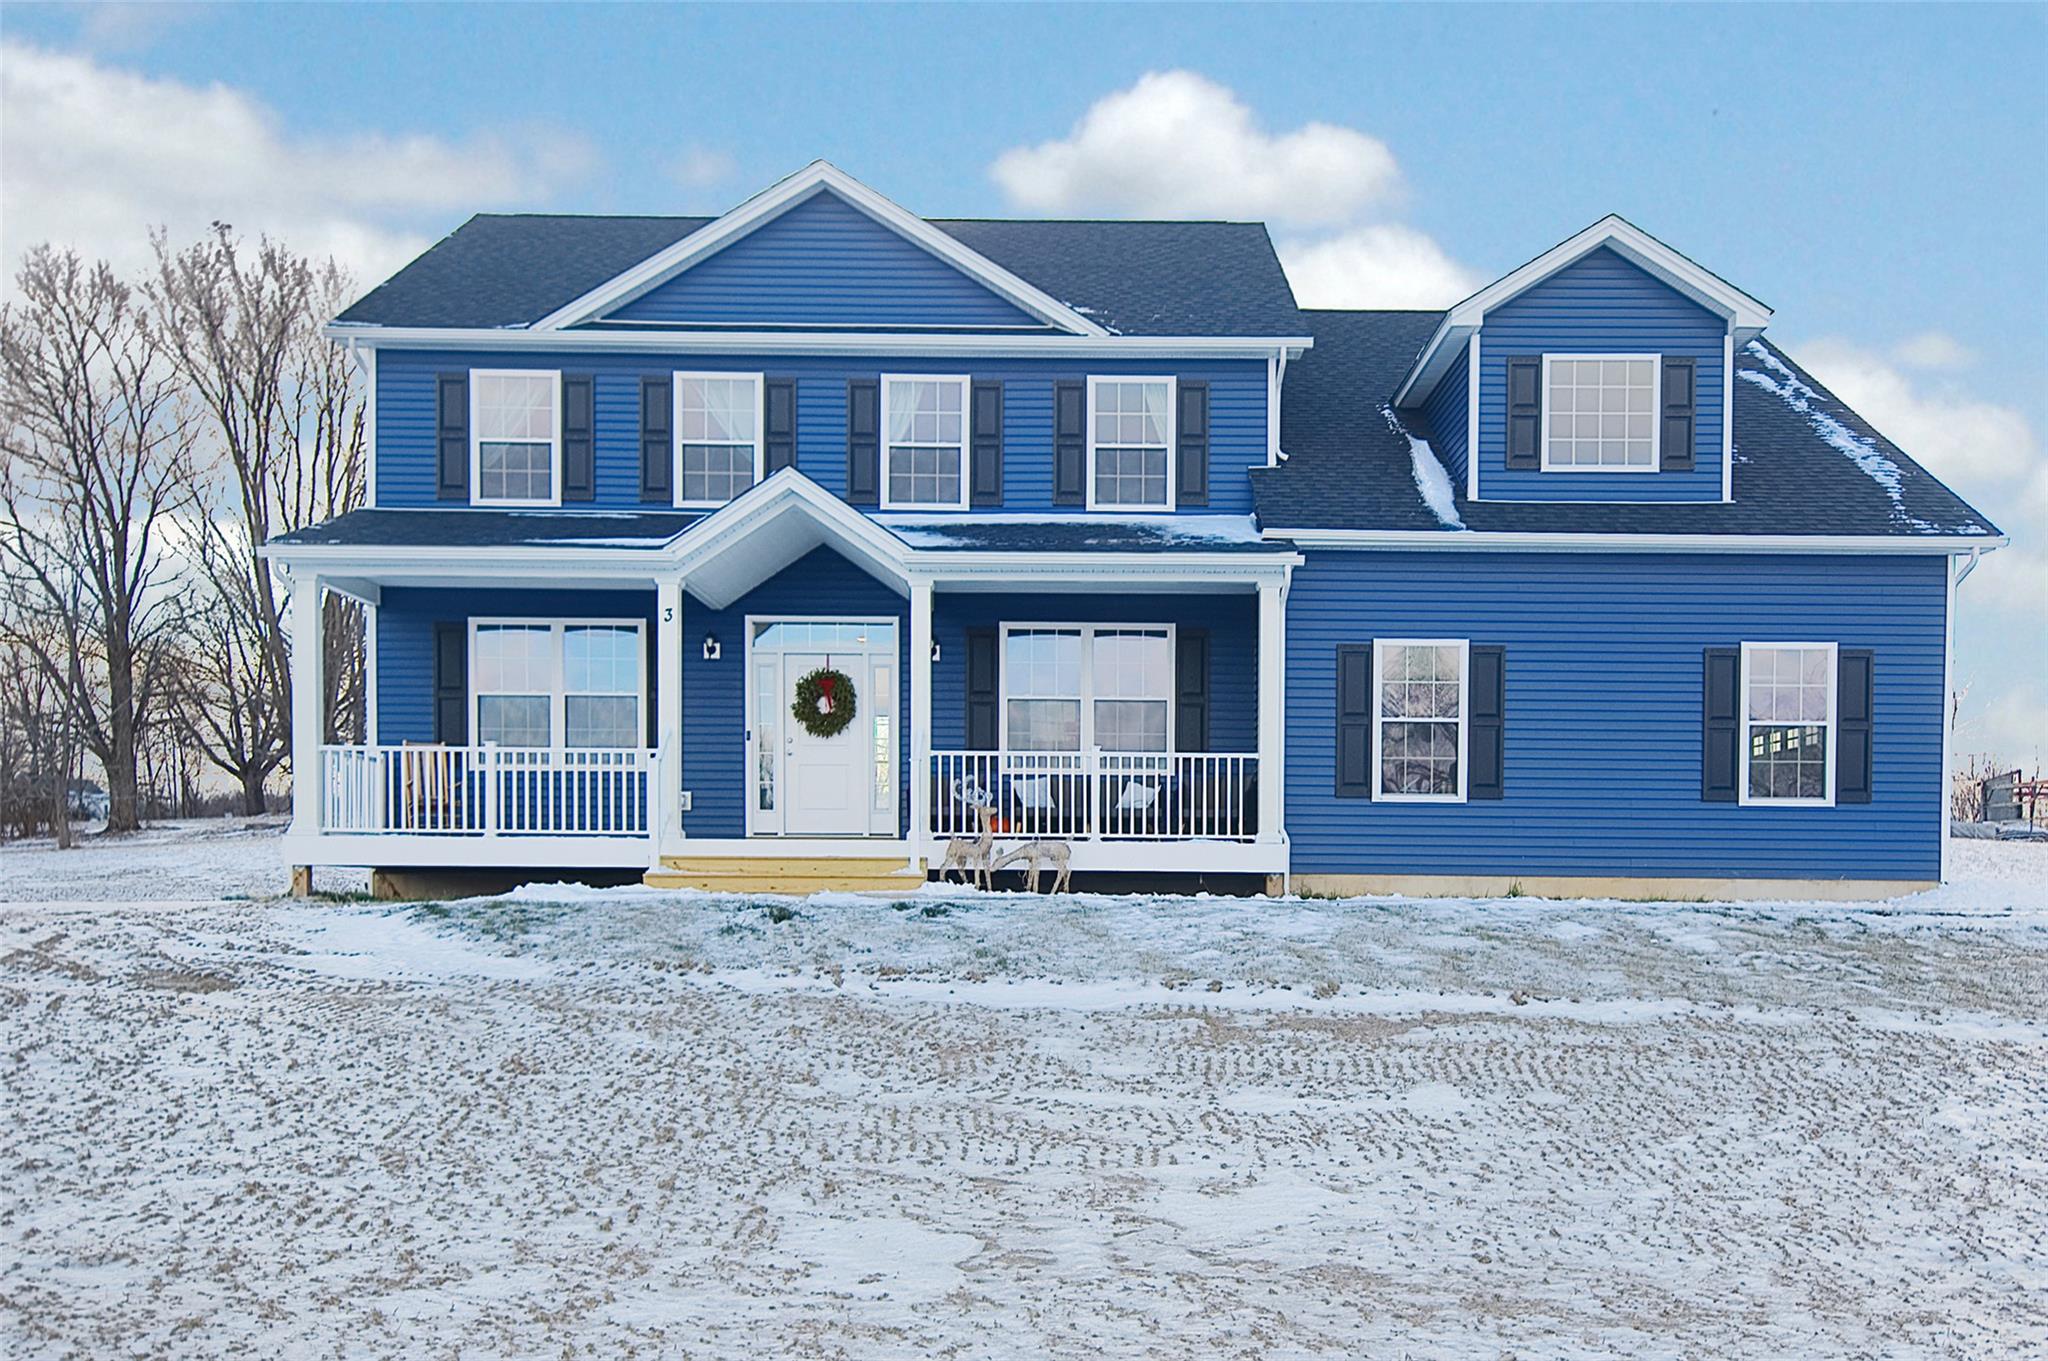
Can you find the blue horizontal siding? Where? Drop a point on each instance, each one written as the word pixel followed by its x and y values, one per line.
pixel 1603 742
pixel 1232 621
pixel 824 262
pixel 1599 304
pixel 1448 412
pixel 405 417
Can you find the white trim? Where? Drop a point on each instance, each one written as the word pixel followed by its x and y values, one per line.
pixel 1727 416
pixel 1656 410
pixel 1380 720
pixel 1087 694
pixel 879 343
pixel 558 728
pixel 1948 667
pixel 815 178
pixel 402 850
pixel 476 496
pixel 750 747
pixel 1172 442
pixel 1467 541
pixel 1272 712
pixel 675 420
pixel 1739 309
pixel 966 385
pixel 1472 419
pixel 1276 378
pixel 369 675
pixel 366 356
pixel 1743 723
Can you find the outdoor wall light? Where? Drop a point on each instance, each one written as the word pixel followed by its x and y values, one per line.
pixel 710 648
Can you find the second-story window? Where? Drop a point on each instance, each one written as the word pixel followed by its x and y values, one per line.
pixel 924 455
pixel 718 436
pixel 1600 413
pixel 1130 443
pixel 516 449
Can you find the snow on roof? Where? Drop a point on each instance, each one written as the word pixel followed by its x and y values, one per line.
pixel 1430 478
pixel 1134 531
pixel 1860 449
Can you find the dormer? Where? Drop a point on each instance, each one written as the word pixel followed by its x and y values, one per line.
pixel 1599 371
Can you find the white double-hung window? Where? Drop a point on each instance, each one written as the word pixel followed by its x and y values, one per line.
pixel 1069 687
pixel 924 442
pixel 1130 443
pixel 1420 709
pixel 537 683
pixel 718 436
pixel 515 437
pixel 1788 724
pixel 1600 413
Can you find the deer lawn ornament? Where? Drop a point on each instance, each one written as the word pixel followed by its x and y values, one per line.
pixel 1039 855
pixel 972 854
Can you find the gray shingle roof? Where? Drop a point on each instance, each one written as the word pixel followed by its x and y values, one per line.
pixel 1807 465
pixel 459 527
pixel 1136 278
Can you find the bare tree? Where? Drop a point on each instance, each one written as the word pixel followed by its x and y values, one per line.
pixel 38 747
pixel 97 465
pixel 285 417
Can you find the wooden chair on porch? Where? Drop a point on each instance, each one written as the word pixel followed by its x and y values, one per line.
pixel 431 787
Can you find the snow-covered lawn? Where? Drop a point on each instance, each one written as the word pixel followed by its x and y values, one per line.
pixel 637 1124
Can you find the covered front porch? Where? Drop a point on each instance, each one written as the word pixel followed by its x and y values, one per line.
pixel 572 706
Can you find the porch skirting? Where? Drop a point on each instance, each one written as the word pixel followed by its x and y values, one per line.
pixel 1624 887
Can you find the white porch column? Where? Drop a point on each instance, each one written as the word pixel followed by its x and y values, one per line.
pixel 920 719
pixel 308 686
pixel 1272 709
pixel 668 710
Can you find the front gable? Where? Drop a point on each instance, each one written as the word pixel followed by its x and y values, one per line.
pixel 825 264
pixel 820 250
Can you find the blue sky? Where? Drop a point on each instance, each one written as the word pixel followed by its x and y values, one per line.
pixel 1879 175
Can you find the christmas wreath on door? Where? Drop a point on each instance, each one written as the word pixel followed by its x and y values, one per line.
pixel 824 702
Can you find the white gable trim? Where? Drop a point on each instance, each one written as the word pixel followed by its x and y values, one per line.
pixel 1744 314
pixel 816 178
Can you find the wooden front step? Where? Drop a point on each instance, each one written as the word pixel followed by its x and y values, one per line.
pixel 783 875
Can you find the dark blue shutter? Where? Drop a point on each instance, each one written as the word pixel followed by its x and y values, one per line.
pixel 1191 690
pixel 983 680
pixel 1525 412
pixel 985 449
pixel 863 441
pixel 1485 732
pixel 451 436
pixel 657 447
pixel 1191 438
pixel 1719 731
pixel 451 683
pixel 778 426
pixel 1675 441
pixel 1854 769
pixel 1069 443
pixel 1354 721
pixel 579 437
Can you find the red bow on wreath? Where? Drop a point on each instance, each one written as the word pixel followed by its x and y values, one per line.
pixel 826 685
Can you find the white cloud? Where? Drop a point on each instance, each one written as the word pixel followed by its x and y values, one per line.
pixel 701 167
pixel 1179 145
pixel 1933 350
pixel 96 156
pixel 1385 265
pixel 1962 439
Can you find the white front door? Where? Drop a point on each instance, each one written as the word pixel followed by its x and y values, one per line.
pixel 826 777
pixel 805 785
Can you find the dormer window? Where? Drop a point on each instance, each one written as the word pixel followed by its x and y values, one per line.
pixel 1130 443
pixel 516 439
pixel 1600 413
pixel 924 450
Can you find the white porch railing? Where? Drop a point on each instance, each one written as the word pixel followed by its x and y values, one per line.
pixel 489 790
pixel 1098 795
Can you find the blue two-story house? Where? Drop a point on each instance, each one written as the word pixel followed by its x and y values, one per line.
pixel 782 548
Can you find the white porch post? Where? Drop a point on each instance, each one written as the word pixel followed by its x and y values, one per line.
pixel 308 685
pixel 920 720
pixel 1272 709
pixel 668 708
